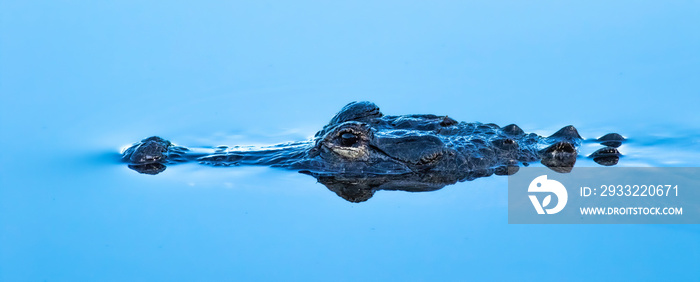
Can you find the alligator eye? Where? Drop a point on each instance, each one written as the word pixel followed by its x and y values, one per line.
pixel 348 139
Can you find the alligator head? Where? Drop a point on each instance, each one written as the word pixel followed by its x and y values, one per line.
pixel 361 150
pixel 359 139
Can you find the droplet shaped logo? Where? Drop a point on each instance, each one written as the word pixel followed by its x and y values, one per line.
pixel 542 184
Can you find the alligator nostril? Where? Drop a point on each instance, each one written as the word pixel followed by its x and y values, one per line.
pixel 611 140
pixel 348 139
pixel 606 156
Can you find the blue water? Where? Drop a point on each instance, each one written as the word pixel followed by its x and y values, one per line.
pixel 79 80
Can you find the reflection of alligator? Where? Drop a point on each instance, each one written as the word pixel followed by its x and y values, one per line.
pixel 361 151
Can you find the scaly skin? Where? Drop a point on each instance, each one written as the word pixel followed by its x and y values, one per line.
pixel 361 151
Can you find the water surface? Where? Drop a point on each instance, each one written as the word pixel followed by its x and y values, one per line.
pixel 80 80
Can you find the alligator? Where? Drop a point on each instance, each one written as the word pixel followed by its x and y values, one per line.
pixel 361 151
